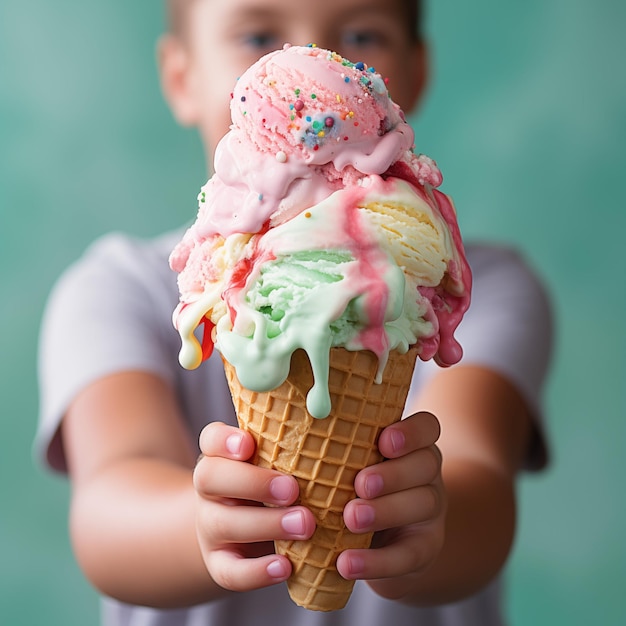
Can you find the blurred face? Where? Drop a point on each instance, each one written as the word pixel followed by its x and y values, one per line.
pixel 224 37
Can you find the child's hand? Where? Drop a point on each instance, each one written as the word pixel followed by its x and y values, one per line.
pixel 234 531
pixel 403 499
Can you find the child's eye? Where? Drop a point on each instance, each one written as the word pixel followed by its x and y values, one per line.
pixel 260 40
pixel 363 38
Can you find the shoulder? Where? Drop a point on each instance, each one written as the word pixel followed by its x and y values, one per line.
pixel 118 297
pixel 506 284
pixel 508 296
pixel 119 252
pixel 120 264
pixel 497 262
pixel 121 283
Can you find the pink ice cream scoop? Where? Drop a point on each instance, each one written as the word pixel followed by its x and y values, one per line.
pixel 321 108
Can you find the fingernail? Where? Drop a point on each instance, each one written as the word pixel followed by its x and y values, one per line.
pixel 397 440
pixel 364 516
pixel 356 566
pixel 293 523
pixel 233 443
pixel 278 569
pixel 281 488
pixel 373 485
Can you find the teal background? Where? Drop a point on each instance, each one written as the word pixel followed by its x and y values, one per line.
pixel 526 115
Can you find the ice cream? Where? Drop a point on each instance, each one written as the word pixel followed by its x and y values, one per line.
pixel 322 234
pixel 318 199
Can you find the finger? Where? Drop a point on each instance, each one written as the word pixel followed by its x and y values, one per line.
pixel 419 430
pixel 410 553
pixel 232 571
pixel 412 470
pixel 216 477
pixel 403 508
pixel 218 439
pixel 224 524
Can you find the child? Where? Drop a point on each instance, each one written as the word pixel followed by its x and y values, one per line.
pixel 172 541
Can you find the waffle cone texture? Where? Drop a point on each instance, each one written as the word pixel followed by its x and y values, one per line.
pixel 324 455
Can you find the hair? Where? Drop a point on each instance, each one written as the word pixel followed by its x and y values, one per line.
pixel 415 17
pixel 175 15
pixel 177 8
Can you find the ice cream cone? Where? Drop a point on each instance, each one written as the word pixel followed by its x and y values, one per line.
pixel 324 454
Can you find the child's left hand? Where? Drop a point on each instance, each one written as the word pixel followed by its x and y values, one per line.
pixel 404 501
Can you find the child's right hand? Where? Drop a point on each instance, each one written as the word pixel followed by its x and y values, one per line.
pixel 234 530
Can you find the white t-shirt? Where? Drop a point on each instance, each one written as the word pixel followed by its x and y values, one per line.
pixel 112 312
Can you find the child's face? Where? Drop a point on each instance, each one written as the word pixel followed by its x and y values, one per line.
pixel 227 36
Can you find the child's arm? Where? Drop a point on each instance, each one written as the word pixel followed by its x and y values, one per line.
pixel 134 507
pixel 441 558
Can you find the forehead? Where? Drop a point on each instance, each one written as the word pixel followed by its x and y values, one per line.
pixel 178 9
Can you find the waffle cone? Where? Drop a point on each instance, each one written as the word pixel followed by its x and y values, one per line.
pixel 324 455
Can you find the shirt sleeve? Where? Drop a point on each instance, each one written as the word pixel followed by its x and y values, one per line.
pixel 101 318
pixel 509 329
